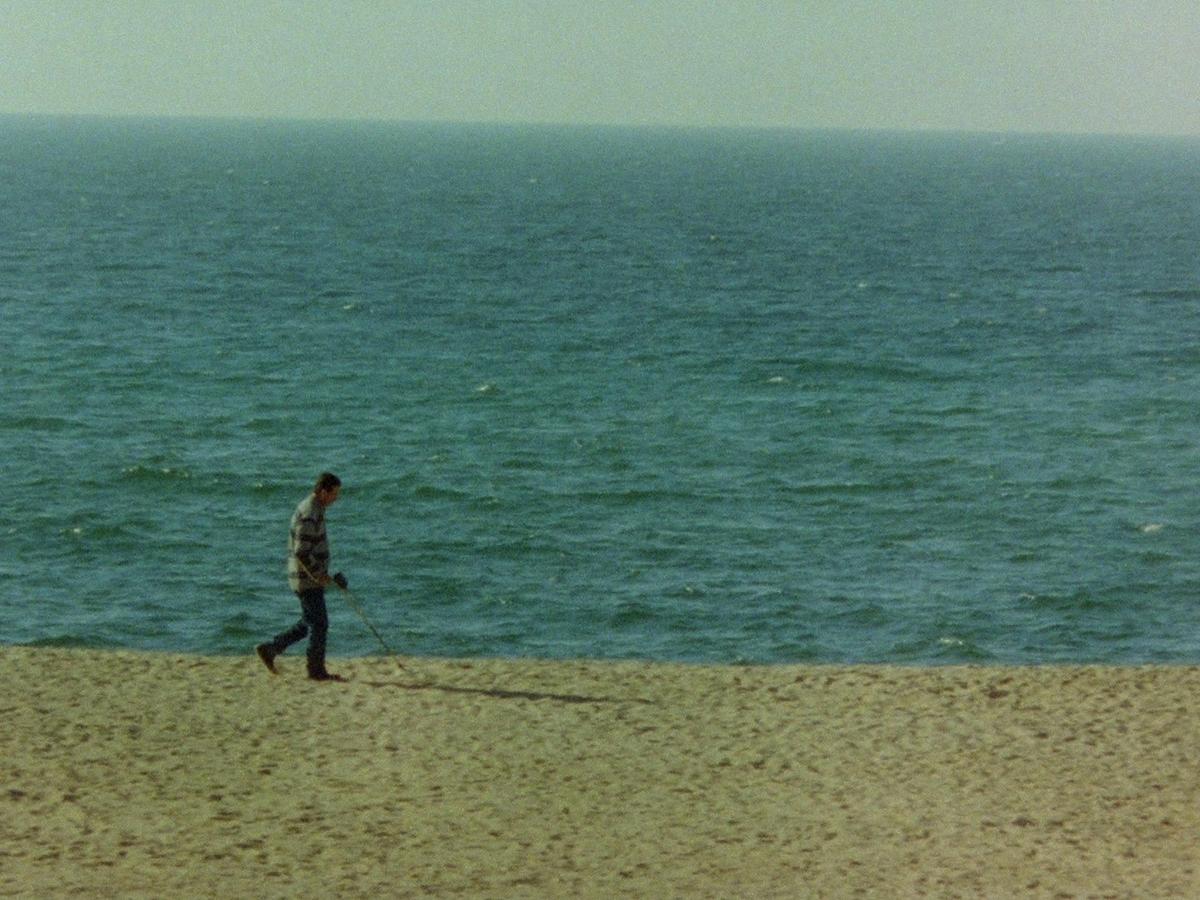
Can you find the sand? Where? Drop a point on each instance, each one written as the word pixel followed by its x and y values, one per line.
pixel 159 775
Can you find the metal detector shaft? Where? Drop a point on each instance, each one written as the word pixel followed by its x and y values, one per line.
pixel 354 605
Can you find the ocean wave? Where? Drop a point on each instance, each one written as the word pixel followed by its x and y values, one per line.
pixel 1076 480
pixel 630 613
pixel 335 294
pixel 1065 269
pixel 1171 294
pixel 40 423
pixel 1076 601
pixel 96 529
pixel 72 641
pixel 130 265
pixel 238 627
pixel 854 370
pixel 793 651
pixel 631 496
pixel 440 492
pixel 264 425
pixel 1157 558
pixel 523 463
pixel 1146 528
pixel 857 613
pixel 521 548
pixel 943 649
pixel 153 473
pixel 901 483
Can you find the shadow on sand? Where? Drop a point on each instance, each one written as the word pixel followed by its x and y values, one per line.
pixel 500 694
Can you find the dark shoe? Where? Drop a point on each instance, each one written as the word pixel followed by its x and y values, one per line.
pixel 267 654
pixel 326 676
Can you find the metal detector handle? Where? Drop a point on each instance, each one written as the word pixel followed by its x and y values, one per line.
pixel 316 578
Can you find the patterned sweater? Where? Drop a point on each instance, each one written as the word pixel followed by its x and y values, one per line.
pixel 308 544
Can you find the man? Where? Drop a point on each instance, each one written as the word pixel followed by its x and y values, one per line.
pixel 308 576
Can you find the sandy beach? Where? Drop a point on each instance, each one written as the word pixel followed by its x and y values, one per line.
pixel 159 775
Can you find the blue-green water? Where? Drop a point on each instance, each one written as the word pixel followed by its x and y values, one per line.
pixel 700 395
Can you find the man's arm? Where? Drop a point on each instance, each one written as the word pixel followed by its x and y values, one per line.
pixel 312 550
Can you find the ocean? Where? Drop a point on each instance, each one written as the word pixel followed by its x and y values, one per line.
pixel 711 396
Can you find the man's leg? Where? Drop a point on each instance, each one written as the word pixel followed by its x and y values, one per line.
pixel 315 617
pixel 282 641
pixel 268 651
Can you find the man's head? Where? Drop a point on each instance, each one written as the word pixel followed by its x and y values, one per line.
pixel 327 488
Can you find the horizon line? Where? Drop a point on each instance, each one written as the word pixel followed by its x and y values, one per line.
pixel 247 118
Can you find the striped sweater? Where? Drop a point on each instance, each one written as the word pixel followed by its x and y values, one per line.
pixel 307 544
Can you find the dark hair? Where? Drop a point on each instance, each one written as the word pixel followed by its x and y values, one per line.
pixel 327 481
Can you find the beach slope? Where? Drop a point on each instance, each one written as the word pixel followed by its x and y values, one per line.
pixel 160 775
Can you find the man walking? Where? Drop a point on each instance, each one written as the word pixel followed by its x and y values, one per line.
pixel 308 575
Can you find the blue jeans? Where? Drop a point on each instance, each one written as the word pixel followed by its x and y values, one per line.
pixel 313 624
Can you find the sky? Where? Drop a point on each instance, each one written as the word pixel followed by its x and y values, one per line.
pixel 1130 67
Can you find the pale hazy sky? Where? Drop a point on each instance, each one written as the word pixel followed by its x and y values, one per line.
pixel 1027 65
